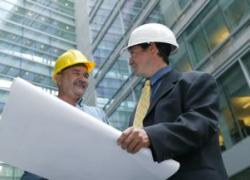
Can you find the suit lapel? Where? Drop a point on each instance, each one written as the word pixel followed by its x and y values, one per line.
pixel 168 82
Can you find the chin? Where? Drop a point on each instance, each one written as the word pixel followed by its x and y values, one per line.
pixel 139 74
pixel 79 93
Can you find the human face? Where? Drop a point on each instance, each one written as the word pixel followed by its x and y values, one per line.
pixel 73 81
pixel 140 60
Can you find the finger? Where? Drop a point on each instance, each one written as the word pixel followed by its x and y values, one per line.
pixel 137 148
pixel 123 136
pixel 142 142
pixel 132 145
pixel 133 135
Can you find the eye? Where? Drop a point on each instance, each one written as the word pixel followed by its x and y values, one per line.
pixel 86 75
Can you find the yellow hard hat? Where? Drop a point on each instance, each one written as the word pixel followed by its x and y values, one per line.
pixel 70 58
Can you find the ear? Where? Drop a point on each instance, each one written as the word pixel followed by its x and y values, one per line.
pixel 153 48
pixel 58 78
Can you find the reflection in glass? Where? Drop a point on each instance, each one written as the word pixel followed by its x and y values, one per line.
pixel 216 29
pixel 121 117
pixel 246 61
pixel 113 80
pixel 101 16
pixel 235 103
pixel 156 16
pixel 199 46
pixel 180 60
pixel 123 21
pixel 235 11
pixel 172 9
pixel 9 173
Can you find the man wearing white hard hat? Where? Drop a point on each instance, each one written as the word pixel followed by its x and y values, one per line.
pixel 71 73
pixel 177 114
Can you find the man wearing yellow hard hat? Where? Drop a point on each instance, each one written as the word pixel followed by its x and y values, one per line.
pixel 71 74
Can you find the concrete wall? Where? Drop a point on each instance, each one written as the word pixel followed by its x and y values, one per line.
pixel 84 44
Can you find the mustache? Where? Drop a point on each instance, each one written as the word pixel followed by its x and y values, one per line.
pixel 80 83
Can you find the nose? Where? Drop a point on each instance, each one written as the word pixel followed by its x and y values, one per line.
pixel 82 78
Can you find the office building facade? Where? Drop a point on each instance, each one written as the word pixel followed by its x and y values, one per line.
pixel 213 37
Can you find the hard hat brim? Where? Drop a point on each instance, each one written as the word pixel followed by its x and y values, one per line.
pixel 173 47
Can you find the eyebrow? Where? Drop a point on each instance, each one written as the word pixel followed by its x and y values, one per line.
pixel 77 70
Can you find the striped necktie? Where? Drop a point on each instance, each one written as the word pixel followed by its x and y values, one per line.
pixel 142 106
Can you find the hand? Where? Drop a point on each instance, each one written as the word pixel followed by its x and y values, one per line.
pixel 133 139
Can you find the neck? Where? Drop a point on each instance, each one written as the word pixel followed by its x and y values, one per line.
pixel 157 67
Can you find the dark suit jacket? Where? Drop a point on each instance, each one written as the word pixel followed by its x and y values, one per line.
pixel 182 124
pixel 30 176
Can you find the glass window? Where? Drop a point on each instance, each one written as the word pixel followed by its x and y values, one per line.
pixel 246 61
pixel 108 43
pixel 201 16
pixel 183 3
pixel 156 16
pixel 60 43
pixel 180 60
pixel 8 59
pixel 198 46
pixel 8 172
pixel 91 5
pixel 12 28
pixel 118 28
pixel 234 103
pixel 114 78
pixel 3 94
pixel 235 11
pixel 216 29
pixel 30 34
pixel 121 116
pixel 130 11
pixel 183 64
pixel 35 67
pixel 172 9
pixel 101 16
pixel 107 87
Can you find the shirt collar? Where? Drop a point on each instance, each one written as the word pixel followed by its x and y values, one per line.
pixel 159 74
pixel 79 103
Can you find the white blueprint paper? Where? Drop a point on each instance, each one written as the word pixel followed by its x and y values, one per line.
pixel 44 135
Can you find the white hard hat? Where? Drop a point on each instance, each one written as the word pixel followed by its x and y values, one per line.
pixel 152 32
